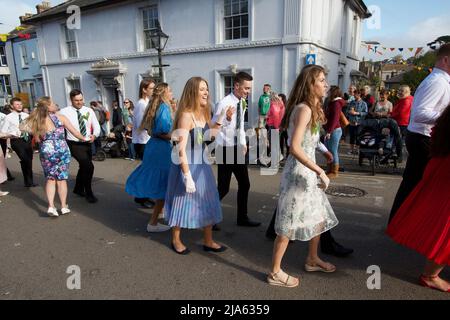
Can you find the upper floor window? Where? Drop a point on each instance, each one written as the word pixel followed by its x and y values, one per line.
pixel 5 86
pixel 24 55
pixel 149 19
pixel 71 43
pixel 3 61
pixel 236 19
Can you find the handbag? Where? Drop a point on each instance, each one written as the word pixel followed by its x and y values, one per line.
pixel 343 120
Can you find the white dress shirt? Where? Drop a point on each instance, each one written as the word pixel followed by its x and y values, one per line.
pixel 10 123
pixel 227 134
pixel 140 136
pixel 91 123
pixel 431 98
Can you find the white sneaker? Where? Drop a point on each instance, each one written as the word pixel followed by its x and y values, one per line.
pixel 65 210
pixel 158 228
pixel 3 193
pixel 52 212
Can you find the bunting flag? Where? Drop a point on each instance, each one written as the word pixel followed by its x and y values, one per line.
pixel 418 51
pixel 20 28
pixel 400 49
pixel 411 49
pixel 3 37
pixel 384 48
pixel 24 36
pixel 392 49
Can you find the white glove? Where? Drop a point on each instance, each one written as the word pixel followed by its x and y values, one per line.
pixel 189 183
pixel 324 181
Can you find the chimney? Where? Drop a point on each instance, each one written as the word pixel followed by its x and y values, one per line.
pixel 45 5
pixel 21 18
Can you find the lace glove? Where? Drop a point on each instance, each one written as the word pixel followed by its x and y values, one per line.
pixel 324 181
pixel 189 183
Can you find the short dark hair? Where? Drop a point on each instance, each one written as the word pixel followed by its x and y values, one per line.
pixel 443 51
pixel 93 104
pixel 267 85
pixel 74 93
pixel 15 99
pixel 241 77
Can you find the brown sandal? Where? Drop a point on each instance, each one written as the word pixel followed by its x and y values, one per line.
pixel 282 279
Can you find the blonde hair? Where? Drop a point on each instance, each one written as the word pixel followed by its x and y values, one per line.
pixel 37 119
pixel 153 106
pixel 303 92
pixel 406 88
pixel 190 101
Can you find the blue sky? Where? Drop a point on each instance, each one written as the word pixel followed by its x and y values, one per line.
pixel 408 23
pixel 404 23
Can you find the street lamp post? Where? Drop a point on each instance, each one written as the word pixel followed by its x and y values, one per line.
pixel 159 40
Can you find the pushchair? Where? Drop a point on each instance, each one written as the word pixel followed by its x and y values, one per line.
pixel 380 142
pixel 113 145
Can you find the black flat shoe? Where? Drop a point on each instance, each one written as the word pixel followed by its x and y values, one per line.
pixel 183 253
pixel 79 193
pixel 209 249
pixel 248 223
pixel 336 249
pixel 31 185
pixel 91 199
pixel 216 227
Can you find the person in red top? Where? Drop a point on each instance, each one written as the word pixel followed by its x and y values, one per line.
pixel 333 128
pixel 275 115
pixel 422 223
pixel 402 109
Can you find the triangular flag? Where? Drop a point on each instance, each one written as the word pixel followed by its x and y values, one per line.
pixel 3 37
pixel 376 47
pixel 411 49
pixel 380 53
pixel 20 28
pixel 400 49
pixel 392 49
pixel 418 51
pixel 384 48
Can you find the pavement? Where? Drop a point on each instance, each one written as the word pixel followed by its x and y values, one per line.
pixel 118 259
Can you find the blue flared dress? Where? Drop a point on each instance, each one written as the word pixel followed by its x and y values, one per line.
pixel 201 208
pixel 149 180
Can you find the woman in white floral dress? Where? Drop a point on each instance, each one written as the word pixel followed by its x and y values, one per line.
pixel 304 211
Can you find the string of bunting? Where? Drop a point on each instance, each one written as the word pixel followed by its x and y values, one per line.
pixel 4 36
pixel 382 50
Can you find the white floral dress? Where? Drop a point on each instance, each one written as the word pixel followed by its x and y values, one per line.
pixel 304 211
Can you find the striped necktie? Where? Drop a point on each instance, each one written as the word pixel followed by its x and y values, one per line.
pixel 24 134
pixel 81 123
pixel 238 116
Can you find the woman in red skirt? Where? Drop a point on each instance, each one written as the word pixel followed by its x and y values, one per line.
pixel 423 221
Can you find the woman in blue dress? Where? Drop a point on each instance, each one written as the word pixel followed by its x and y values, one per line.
pixel 192 199
pixel 149 180
pixel 47 127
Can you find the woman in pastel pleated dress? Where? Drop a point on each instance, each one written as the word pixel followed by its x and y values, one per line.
pixel 192 199
pixel 149 180
pixel 304 212
pixel 3 175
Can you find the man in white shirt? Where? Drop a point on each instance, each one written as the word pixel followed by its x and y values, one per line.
pixel 430 100
pixel 84 120
pixel 4 144
pixel 231 143
pixel 21 144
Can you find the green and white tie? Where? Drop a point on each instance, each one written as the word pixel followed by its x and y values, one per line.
pixel 81 123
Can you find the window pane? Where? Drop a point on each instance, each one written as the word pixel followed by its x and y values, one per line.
pixel 228 23
pixel 235 8
pixel 228 34
pixel 227 9
pixel 244 32
pixel 244 20
pixel 244 7
pixel 236 33
pixel 236 22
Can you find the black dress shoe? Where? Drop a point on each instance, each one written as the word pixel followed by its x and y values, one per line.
pixel 80 193
pixel 216 227
pixel 209 249
pixel 183 253
pixel 248 223
pixel 31 185
pixel 91 199
pixel 11 178
pixel 336 249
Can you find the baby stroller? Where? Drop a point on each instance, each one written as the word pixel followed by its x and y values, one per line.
pixel 113 145
pixel 380 142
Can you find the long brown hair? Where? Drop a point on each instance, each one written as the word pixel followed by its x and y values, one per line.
pixel 153 106
pixel 303 92
pixel 144 85
pixel 38 117
pixel 440 142
pixel 190 101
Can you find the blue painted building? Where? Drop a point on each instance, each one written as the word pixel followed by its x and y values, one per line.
pixel 26 75
pixel 5 77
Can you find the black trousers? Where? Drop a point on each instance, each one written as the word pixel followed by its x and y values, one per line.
pixel 326 238
pixel 240 171
pixel 139 149
pixel 24 151
pixel 418 147
pixel 4 145
pixel 82 152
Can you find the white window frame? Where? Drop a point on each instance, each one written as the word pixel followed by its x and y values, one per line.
pixel 220 23
pixel 151 9
pixel 24 56
pixel 4 87
pixel 139 23
pixel 65 42
pixel 3 57
pixel 68 85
